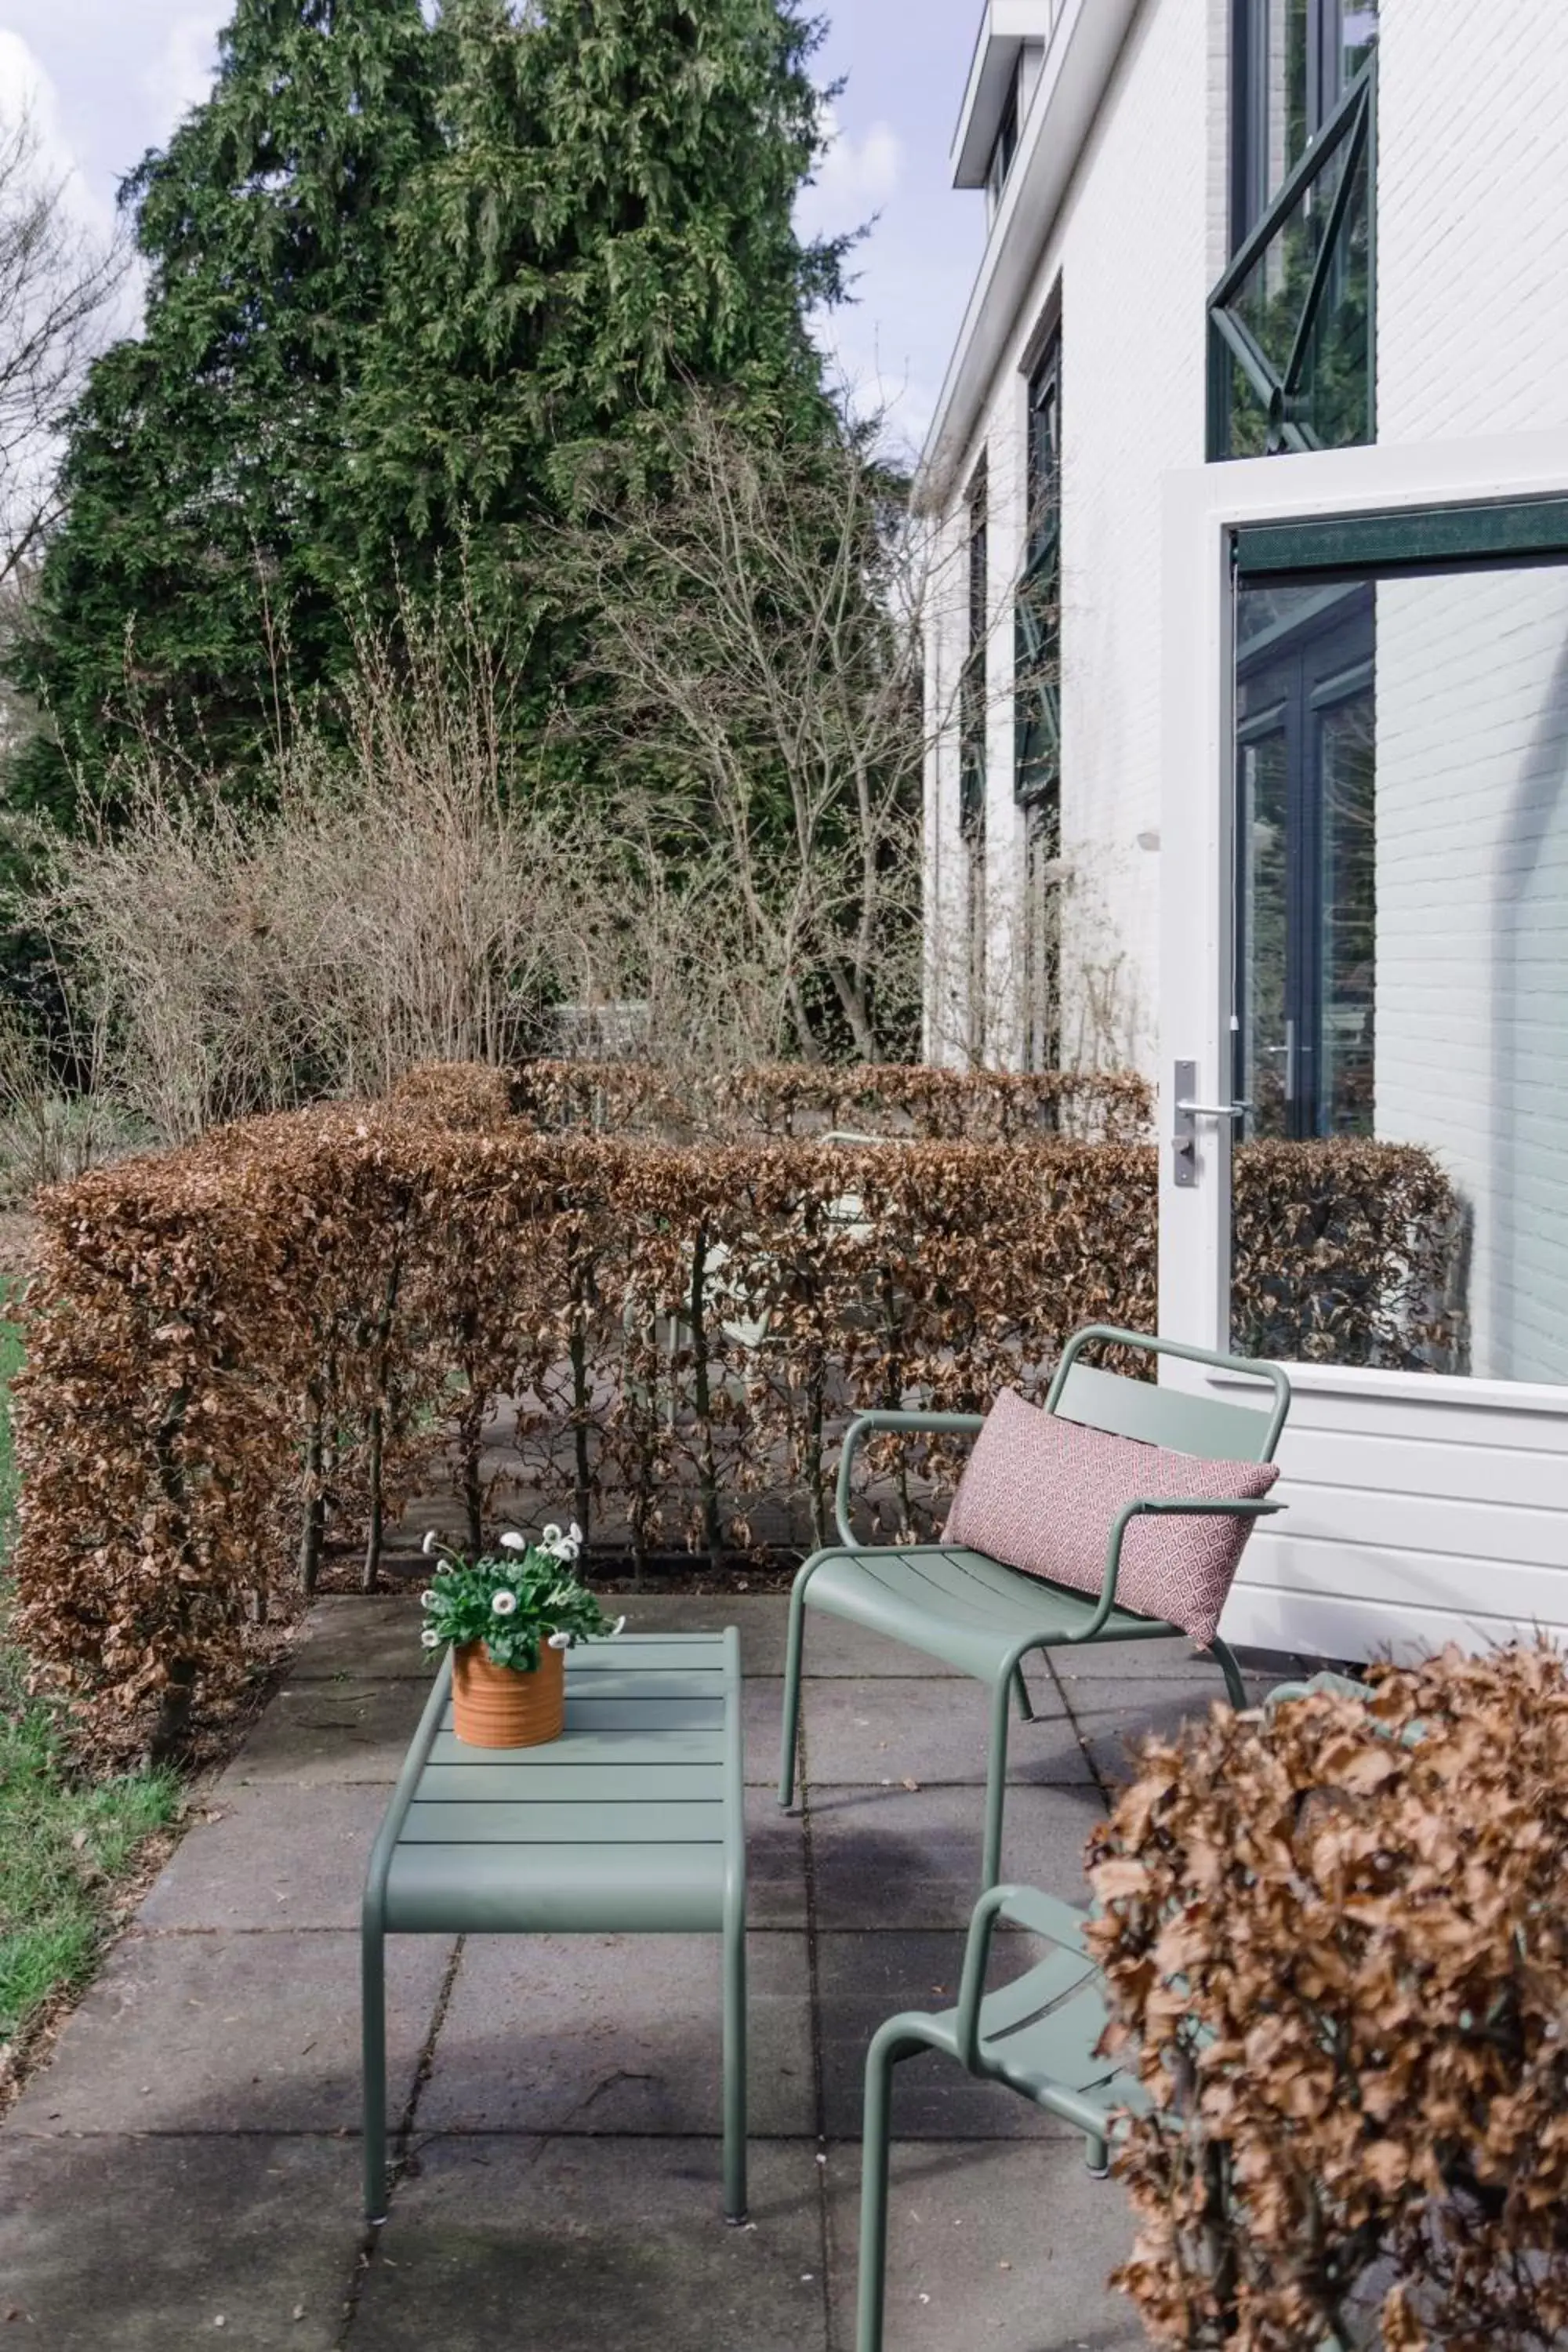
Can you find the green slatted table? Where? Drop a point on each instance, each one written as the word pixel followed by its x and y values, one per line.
pixel 632 1822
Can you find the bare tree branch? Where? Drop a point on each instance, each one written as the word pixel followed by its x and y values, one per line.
pixel 57 284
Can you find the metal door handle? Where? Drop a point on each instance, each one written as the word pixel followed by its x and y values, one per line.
pixel 1184 1129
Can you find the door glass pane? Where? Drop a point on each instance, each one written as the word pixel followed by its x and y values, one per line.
pixel 1262 916
pixel 1347 911
pixel 1402 918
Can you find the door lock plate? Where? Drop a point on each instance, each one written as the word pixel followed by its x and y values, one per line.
pixel 1184 1127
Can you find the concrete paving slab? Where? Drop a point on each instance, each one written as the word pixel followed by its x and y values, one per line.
pixel 898 1857
pixel 271 1856
pixel 617 2033
pixel 362 1637
pixel 597 2245
pixel 776 1863
pixel 834 1648
pixel 232 2033
pixel 1145 1710
pixel 880 1733
pixel 762 1714
pixel 1154 1661
pixel 1007 2246
pixel 761 1618
pixel 863 1979
pixel 314 1733
pixel 145 2245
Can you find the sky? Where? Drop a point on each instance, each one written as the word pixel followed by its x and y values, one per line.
pixel 108 78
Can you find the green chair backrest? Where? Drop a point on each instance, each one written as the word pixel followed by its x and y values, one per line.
pixel 1209 1427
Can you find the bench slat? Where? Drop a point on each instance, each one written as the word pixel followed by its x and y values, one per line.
pixel 626 1822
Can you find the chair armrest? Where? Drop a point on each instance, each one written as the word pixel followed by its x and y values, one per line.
pixel 870 1424
pixel 1171 1507
pixel 1057 1923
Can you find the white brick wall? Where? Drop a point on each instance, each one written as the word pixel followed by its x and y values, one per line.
pixel 1472 216
pixel 1472 930
pixel 1133 251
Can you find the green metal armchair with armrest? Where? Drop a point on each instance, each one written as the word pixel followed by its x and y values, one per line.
pixel 1037 2035
pixel 984 1619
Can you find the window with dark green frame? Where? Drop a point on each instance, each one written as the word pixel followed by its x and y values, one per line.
pixel 1292 361
pixel 974 709
pixel 1038 614
pixel 971 683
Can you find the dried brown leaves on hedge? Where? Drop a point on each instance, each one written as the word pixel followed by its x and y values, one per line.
pixel 238 1348
pixel 790 1099
pixel 1337 1951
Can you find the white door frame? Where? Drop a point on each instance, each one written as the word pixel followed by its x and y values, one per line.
pixel 1201 505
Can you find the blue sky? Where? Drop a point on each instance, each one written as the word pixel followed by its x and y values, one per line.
pixel 108 78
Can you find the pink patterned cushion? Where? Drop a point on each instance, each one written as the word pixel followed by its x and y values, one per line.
pixel 1042 1494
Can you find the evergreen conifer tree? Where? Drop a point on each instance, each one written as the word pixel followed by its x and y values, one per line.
pixel 408 283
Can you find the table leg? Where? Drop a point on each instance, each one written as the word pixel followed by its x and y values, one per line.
pixel 373 1975
pixel 735 2071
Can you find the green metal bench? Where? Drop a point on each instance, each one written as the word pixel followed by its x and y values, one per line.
pixel 631 1823
pixel 984 1619
pixel 1035 2036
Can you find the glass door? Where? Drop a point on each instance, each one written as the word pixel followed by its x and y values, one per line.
pixel 1399 931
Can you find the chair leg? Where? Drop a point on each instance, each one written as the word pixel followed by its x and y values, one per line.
pixel 1224 1659
pixel 995 1783
pixel 1097 2157
pixel 735 2070
pixel 888 2045
pixel 1025 1704
pixel 372 1977
pixel 792 1690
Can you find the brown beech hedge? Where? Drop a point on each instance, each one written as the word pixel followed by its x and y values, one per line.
pixel 287 1329
pixel 1337 1953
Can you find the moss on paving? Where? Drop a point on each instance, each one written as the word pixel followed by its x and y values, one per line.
pixel 65 1838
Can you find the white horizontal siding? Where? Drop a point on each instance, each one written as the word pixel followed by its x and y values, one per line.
pixel 1410 1521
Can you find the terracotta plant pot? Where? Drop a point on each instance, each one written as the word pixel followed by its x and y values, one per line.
pixel 497 1706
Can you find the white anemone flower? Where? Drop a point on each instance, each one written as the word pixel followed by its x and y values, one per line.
pixel 513 1541
pixel 560 1642
pixel 503 1604
pixel 431 1639
pixel 429 1597
pixel 619 1626
pixel 551 1537
pixel 428 1546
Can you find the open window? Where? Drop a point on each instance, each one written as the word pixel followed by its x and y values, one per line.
pixel 1292 321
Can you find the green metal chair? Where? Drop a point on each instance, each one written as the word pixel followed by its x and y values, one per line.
pixel 984 1619
pixel 1036 2035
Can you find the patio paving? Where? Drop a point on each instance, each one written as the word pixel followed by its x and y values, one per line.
pixel 185 2169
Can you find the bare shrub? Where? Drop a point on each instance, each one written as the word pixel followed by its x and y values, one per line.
pixel 756 622
pixel 1336 1952
pixel 413 896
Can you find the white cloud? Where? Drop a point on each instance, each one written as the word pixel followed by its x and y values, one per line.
pixel 182 74
pixel 854 178
pixel 26 90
